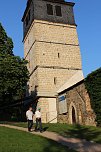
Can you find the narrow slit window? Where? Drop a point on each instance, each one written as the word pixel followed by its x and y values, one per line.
pixel 58 55
pixel 58 10
pixel 49 9
pixel 55 80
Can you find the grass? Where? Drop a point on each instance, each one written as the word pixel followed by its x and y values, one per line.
pixel 12 140
pixel 83 132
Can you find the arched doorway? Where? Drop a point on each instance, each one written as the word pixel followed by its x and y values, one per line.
pixel 73 116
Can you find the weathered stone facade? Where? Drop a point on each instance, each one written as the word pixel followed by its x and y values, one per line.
pixel 52 49
pixel 78 106
pixel 48 109
pixel 52 55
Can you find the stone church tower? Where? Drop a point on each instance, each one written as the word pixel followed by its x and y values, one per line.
pixel 52 49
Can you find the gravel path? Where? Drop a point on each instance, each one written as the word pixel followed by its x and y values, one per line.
pixel 73 143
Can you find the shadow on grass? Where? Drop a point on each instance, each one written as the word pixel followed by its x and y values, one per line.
pixel 88 133
pixel 77 131
pixel 51 149
pixel 45 128
pixel 30 143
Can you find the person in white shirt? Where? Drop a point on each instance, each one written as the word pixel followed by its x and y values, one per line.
pixel 29 115
pixel 38 120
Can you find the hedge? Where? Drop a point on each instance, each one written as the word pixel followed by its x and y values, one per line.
pixel 93 85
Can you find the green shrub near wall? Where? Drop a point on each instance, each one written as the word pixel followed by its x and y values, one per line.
pixel 93 85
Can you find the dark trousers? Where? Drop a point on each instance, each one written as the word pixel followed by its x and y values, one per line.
pixel 30 124
pixel 38 123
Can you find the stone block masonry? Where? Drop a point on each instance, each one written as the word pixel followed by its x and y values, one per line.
pixel 52 49
pixel 78 98
pixel 53 53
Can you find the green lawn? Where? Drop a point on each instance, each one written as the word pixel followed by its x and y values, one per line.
pixel 12 140
pixel 84 132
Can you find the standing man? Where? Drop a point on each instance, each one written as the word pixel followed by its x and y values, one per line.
pixel 29 115
pixel 38 120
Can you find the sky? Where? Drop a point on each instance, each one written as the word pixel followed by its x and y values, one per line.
pixel 88 20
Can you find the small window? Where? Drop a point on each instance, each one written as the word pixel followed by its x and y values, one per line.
pixel 58 10
pixel 58 55
pixel 49 9
pixel 55 80
pixel 65 113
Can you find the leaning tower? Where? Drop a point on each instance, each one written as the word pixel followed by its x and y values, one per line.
pixel 52 49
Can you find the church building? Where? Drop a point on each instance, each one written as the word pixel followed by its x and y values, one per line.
pixel 52 49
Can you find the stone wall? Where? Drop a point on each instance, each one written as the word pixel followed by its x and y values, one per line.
pixel 52 44
pixel 46 78
pixel 48 109
pixel 77 97
pixel 52 51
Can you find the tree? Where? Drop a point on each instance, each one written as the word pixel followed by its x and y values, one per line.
pixel 13 71
pixel 6 44
pixel 93 84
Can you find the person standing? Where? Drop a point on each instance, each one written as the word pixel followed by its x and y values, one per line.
pixel 38 120
pixel 29 115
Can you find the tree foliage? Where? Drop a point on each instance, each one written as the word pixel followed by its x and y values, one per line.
pixel 13 71
pixel 6 44
pixel 93 84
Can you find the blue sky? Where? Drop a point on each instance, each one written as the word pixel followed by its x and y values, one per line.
pixel 88 19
